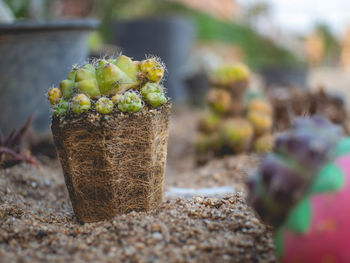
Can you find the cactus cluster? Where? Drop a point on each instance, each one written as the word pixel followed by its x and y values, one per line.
pixel 286 176
pixel 110 84
pixel 234 123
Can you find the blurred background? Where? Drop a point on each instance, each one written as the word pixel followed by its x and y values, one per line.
pixel 298 45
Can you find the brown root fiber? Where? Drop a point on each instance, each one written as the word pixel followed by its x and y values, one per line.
pixel 113 164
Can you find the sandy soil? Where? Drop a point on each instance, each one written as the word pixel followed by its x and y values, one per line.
pixel 37 223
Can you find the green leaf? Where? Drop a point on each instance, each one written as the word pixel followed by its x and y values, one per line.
pixel 299 219
pixel 279 242
pixel 329 179
pixel 343 147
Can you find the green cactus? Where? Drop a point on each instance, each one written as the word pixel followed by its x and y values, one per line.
pixel 85 81
pixel 209 123
pixel 61 108
pixel 154 94
pixel 104 105
pixel 130 101
pixel 230 74
pixel 112 78
pixel 261 122
pixel 264 144
pixel 219 101
pixel 260 105
pixel 80 103
pixel 152 69
pixel 67 88
pixel 54 95
pixel 237 134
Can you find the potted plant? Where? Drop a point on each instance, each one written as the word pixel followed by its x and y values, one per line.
pixel 33 54
pixel 110 127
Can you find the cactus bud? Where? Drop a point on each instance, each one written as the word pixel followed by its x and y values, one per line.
pixel 240 72
pixel 116 97
pixel 67 88
pixel 151 88
pixel 130 102
pixel 219 100
pixel 152 69
pixel 264 144
pixel 55 95
pixel 261 122
pixel 80 103
pixel 209 123
pixel 61 108
pixel 237 134
pixel 153 94
pixel 260 106
pixel 104 105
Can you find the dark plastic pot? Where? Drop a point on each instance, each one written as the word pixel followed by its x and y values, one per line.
pixel 285 76
pixel 170 38
pixel 34 56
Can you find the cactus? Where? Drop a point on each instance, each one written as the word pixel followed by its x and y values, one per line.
pixel 111 78
pixel 261 122
pixel 237 134
pixel 80 103
pixel 104 105
pixel 85 81
pixel 116 97
pixel 286 175
pixel 219 101
pixel 209 123
pixel 55 95
pixel 260 105
pixel 154 94
pixel 130 101
pixel 264 144
pixel 67 88
pixel 202 143
pixel 152 69
pixel 61 108
pixel 230 74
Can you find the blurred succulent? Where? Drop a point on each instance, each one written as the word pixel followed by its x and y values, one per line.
pixel 10 147
pixel 264 144
pixel 237 134
pixel 260 105
pixel 209 123
pixel 285 176
pixel 261 122
pixel 219 101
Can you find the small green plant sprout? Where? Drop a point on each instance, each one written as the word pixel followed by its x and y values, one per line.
pixel 152 69
pixel 154 94
pixel 61 108
pixel 104 83
pixel 80 103
pixel 55 95
pixel 104 105
pixel 130 102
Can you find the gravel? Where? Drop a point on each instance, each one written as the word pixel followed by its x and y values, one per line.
pixel 37 224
